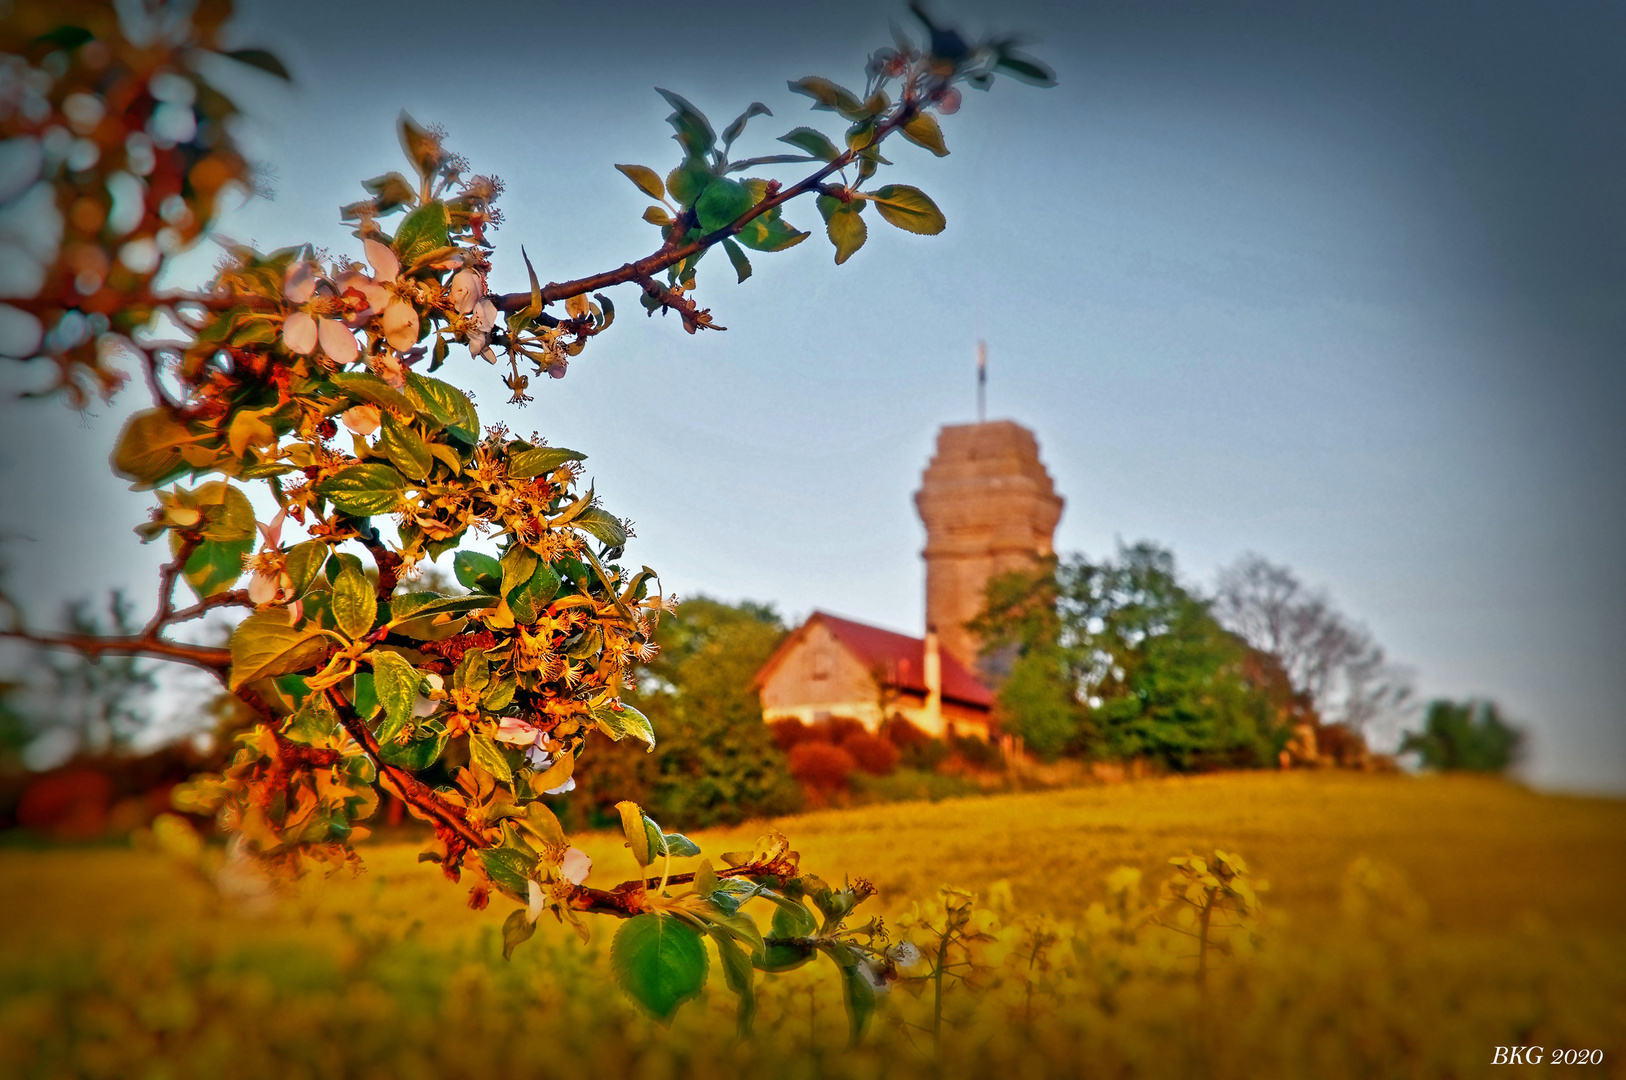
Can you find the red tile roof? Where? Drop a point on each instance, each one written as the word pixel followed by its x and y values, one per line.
pixel 902 660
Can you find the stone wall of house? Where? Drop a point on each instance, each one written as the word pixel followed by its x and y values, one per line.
pixel 819 678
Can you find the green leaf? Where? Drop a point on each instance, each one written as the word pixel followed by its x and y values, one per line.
pixel 908 208
pixel 305 563
pixel 924 130
pixel 264 645
pixel 424 230
pixel 619 723
pixel 830 97
pixel 476 570
pixel 416 755
pixel 420 147
pixel 395 682
pixel 844 225
pixel 660 962
pixel 814 142
pixel 364 700
pixel 259 58
pixel 721 203
pixel 149 447
pixel 518 564
pixel 486 754
pixel 738 974
pixel 540 461
pixel 1026 69
pixel 406 449
pixel 742 265
pixel 215 565
pixel 694 132
pixel 355 605
pixel 528 600
pixel 680 846
pixel 657 215
pixel 602 526
pixel 364 490
pixel 791 919
pixel 366 387
pixel 516 931
pixel 421 605
pixel 770 232
pixel 647 179
pixel 858 993
pixel 637 833
pixel 508 868
pixel 473 672
pixel 735 129
pixel 450 406
pixel 687 181
pixel 499 694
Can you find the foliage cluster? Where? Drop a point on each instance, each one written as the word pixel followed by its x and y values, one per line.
pixel 1118 659
pixel 1057 954
pixel 1471 736
pixel 715 760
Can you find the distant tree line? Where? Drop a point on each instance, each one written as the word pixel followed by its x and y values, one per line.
pixel 1117 659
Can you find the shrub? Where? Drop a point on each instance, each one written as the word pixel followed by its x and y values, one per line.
pixel 916 749
pixel 788 731
pixel 871 753
pixel 979 753
pixel 838 729
pixel 821 766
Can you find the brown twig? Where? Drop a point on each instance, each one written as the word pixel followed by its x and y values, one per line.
pixel 234 598
pixel 166 585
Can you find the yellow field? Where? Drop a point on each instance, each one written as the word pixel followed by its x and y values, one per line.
pixel 1487 916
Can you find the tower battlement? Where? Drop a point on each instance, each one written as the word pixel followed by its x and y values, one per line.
pixel 989 507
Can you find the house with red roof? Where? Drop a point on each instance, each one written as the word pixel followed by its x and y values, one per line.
pixel 989 507
pixel 832 667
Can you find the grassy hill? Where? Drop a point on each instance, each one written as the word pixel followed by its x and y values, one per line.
pixel 1497 921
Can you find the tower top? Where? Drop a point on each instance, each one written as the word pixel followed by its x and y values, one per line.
pixel 989 507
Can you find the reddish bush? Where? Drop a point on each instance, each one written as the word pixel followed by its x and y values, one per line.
pixel 789 731
pixel 872 754
pixel 821 766
pixel 838 729
pixel 903 734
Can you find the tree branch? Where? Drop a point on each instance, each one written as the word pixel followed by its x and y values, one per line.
pixel 670 254
pixel 92 645
pixel 166 584
pixel 408 787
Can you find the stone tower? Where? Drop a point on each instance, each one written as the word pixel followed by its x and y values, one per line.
pixel 989 507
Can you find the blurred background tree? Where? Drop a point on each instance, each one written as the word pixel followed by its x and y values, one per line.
pixel 1117 659
pixel 1470 736
pixel 1326 656
pixel 715 760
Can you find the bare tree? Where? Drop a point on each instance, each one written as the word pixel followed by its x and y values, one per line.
pixel 1326 656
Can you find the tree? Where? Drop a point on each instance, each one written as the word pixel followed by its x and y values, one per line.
pixel 1146 666
pixel 360 681
pixel 1337 663
pixel 716 759
pixel 1470 737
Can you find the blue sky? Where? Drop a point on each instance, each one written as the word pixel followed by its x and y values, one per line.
pixel 1343 286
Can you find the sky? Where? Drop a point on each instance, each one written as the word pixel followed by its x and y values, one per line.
pixel 1341 285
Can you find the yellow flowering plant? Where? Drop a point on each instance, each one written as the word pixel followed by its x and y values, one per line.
pixel 469 707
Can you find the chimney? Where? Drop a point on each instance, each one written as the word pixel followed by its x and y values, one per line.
pixel 934 684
